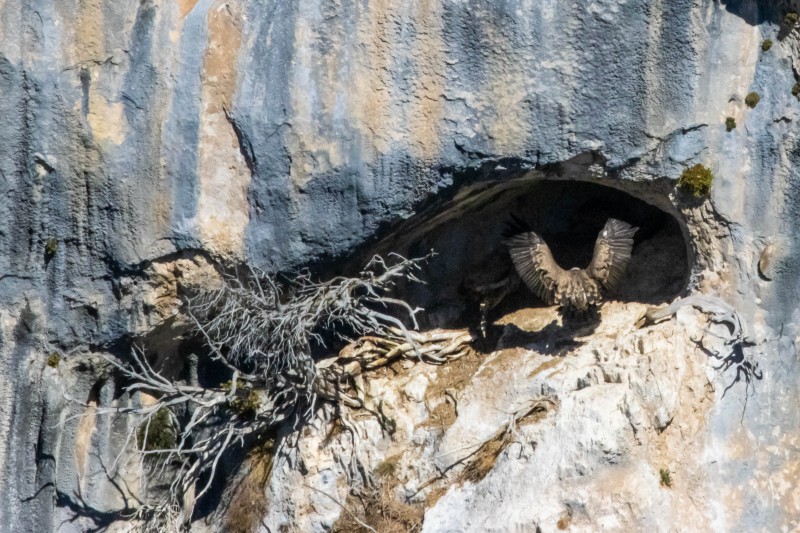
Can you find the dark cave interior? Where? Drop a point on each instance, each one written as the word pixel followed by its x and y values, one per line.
pixel 466 234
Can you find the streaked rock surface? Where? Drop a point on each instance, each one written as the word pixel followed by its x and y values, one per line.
pixel 141 140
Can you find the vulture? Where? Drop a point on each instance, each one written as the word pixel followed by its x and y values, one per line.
pixel 577 289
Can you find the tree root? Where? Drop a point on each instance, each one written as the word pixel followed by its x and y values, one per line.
pixel 339 379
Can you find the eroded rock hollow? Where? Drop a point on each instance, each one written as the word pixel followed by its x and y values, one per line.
pixel 465 233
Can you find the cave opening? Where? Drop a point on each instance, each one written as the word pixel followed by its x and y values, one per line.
pixel 466 234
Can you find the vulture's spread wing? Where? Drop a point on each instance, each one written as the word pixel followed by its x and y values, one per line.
pixel 612 251
pixel 535 264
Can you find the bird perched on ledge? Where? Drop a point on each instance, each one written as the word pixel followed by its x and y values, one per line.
pixel 577 289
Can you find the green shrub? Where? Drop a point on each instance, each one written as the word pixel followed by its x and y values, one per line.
pixel 766 45
pixel 246 403
pixel 666 478
pixel 752 99
pixel 159 434
pixel 697 180
pixel 730 124
pixel 791 19
pixel 53 360
pixel 796 90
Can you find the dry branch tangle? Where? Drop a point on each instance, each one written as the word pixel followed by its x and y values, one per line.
pixel 261 328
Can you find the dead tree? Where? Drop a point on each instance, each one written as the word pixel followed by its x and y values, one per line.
pixel 261 327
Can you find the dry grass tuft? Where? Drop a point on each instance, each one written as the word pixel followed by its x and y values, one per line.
pixel 481 462
pixel 450 380
pixel 382 512
pixel 249 502
pixel 388 467
pixel 379 509
pixel 564 521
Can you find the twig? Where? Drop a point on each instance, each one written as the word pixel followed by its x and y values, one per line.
pixel 334 500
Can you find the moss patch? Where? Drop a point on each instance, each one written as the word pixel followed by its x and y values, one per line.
pixel 730 124
pixel 796 90
pixel 791 18
pixel 752 99
pixel 766 45
pixel 51 247
pixel 696 180
pixel 247 405
pixel 53 360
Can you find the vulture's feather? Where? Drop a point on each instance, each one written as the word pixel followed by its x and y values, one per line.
pixel 576 288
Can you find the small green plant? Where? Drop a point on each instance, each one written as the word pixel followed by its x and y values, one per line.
pixel 697 180
pixel 51 246
pixel 796 90
pixel 791 19
pixel 752 99
pixel 730 124
pixel 159 433
pixel 766 45
pixel 246 403
pixel 53 360
pixel 247 406
pixel 666 478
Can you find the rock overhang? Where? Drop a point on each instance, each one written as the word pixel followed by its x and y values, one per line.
pixel 567 204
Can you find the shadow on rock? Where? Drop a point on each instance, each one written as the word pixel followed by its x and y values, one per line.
pixel 746 368
pixel 754 13
pixel 81 510
pixel 553 339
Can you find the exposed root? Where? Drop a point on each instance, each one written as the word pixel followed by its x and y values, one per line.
pixel 337 378
pixel 720 311
pixel 261 327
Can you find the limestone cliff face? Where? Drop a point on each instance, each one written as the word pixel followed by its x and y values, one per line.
pixel 143 140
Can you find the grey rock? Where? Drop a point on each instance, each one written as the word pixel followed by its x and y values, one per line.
pixel 138 134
